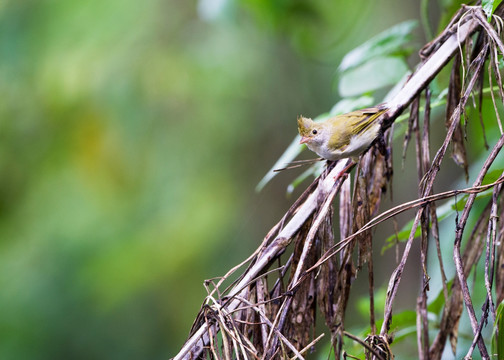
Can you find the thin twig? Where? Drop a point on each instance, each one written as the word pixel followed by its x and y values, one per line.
pixel 307 347
pixel 272 326
pixel 364 344
pixel 384 216
pixel 458 240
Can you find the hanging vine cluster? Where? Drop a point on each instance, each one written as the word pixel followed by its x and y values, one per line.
pixel 269 310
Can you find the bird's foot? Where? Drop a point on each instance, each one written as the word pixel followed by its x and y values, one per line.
pixel 344 173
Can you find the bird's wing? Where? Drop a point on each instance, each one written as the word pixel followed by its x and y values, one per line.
pixel 347 125
pixel 360 120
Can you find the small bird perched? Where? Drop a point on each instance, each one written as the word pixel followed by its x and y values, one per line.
pixel 342 136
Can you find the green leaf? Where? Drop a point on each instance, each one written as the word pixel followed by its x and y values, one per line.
pixel 405 324
pixel 492 176
pixel 372 75
pixel 436 304
pixel 293 150
pixel 401 236
pixel 385 43
pixel 498 333
pixel 459 204
pixel 350 104
pixel 314 170
pixel 489 7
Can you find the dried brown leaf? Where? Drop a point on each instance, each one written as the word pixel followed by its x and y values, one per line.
pixel 411 121
pixel 454 333
pixel 459 153
pixel 300 328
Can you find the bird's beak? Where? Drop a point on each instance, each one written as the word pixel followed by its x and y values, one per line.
pixel 304 140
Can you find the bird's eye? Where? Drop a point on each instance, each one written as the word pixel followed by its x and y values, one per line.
pixel 314 132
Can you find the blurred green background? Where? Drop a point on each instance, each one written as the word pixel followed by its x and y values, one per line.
pixel 133 134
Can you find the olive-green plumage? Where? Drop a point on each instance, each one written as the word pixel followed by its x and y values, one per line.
pixel 341 136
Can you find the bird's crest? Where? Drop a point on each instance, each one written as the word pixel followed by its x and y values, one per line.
pixel 304 125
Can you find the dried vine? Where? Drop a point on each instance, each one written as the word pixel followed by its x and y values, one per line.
pixel 269 310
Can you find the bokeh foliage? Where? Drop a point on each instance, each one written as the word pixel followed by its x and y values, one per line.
pixel 132 136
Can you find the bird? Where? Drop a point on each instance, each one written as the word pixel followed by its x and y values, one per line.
pixel 342 136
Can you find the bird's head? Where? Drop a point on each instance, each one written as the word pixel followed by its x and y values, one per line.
pixel 310 131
